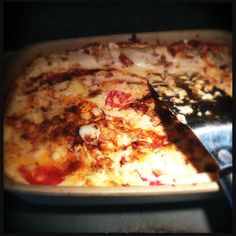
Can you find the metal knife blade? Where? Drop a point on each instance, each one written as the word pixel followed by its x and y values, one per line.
pixel 208 115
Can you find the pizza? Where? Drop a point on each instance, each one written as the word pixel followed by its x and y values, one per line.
pixel 91 117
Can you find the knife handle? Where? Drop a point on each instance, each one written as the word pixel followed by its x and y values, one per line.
pixel 226 183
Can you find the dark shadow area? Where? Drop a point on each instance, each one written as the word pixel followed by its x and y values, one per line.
pixel 215 211
pixel 27 22
pixel 183 138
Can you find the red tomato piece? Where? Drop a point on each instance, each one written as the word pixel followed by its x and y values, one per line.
pixel 156 182
pixel 117 98
pixel 122 161
pixel 141 177
pixel 42 175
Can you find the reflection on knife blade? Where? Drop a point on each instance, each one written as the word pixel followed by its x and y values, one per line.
pixel 213 127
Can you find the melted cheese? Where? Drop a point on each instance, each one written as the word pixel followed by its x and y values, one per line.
pixel 89 133
pixel 58 153
pixel 113 146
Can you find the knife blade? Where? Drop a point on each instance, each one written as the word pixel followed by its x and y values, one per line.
pixel 207 112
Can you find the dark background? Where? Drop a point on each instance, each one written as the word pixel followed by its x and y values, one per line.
pixel 26 23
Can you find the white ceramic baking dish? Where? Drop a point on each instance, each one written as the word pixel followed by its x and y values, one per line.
pixel 108 195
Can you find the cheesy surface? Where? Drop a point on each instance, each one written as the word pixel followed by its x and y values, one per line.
pixel 89 117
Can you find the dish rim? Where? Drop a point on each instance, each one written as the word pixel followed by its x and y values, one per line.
pixel 47 47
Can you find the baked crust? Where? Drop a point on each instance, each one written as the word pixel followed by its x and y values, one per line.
pixel 89 118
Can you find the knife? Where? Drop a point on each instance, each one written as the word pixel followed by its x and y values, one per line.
pixel 206 111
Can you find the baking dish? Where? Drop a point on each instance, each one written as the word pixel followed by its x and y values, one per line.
pixel 118 194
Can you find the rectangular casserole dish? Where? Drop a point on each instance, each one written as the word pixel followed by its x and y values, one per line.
pixel 100 195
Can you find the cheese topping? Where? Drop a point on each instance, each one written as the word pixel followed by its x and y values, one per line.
pixel 89 133
pixel 88 117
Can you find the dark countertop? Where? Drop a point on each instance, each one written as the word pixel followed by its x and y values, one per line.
pixel 199 216
pixel 27 22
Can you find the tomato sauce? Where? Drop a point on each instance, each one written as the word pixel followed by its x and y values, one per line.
pixel 42 175
pixel 117 98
